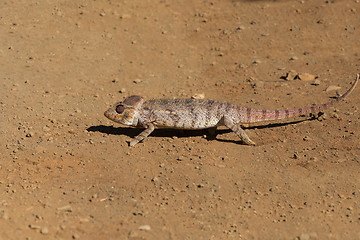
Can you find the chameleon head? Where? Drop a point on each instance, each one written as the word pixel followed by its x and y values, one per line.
pixel 125 112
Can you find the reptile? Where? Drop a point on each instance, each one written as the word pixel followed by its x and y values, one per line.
pixel 198 114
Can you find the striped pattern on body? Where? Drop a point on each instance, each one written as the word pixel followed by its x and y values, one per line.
pixel 185 113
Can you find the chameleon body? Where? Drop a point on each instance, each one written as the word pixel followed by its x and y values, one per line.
pixel 197 114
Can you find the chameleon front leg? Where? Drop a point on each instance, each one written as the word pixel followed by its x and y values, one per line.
pixel 238 130
pixel 144 134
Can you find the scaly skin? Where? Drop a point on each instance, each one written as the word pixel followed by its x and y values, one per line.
pixel 198 114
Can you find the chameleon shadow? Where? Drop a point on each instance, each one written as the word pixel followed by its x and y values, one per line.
pixel 160 132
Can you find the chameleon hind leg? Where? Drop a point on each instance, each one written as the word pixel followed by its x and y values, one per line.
pixel 144 134
pixel 238 131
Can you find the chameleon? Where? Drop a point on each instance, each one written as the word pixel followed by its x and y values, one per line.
pixel 198 114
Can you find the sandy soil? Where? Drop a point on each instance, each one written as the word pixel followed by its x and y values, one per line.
pixel 67 172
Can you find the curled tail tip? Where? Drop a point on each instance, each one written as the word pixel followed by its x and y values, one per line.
pixel 350 89
pixel 356 80
pixel 354 84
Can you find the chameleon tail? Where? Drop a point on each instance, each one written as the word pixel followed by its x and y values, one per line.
pixel 257 115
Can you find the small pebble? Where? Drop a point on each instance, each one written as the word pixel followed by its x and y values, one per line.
pixel 198 96
pixel 306 138
pixel 3 215
pixel 291 75
pixel 306 76
pixel 294 28
pixel 84 220
pixel 44 230
pixel 259 84
pixel 350 28
pixel 136 81
pixel 332 88
pixel 335 115
pixel 316 82
pixel 125 16
pixel 145 228
pixel 304 236
pixel 240 28
pixel 75 236
pixel 66 208
pixel 32 226
pixel 29 134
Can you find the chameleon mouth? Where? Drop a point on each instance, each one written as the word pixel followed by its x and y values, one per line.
pixel 109 114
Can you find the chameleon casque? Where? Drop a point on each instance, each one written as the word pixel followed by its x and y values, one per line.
pixel 198 114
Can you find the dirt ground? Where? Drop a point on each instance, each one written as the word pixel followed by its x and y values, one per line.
pixel 66 172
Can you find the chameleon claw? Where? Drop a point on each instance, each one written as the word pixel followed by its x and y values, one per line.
pixel 132 143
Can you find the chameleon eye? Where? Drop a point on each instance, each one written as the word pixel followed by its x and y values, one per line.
pixel 120 109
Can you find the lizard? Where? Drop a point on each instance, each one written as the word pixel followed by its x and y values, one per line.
pixel 198 114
